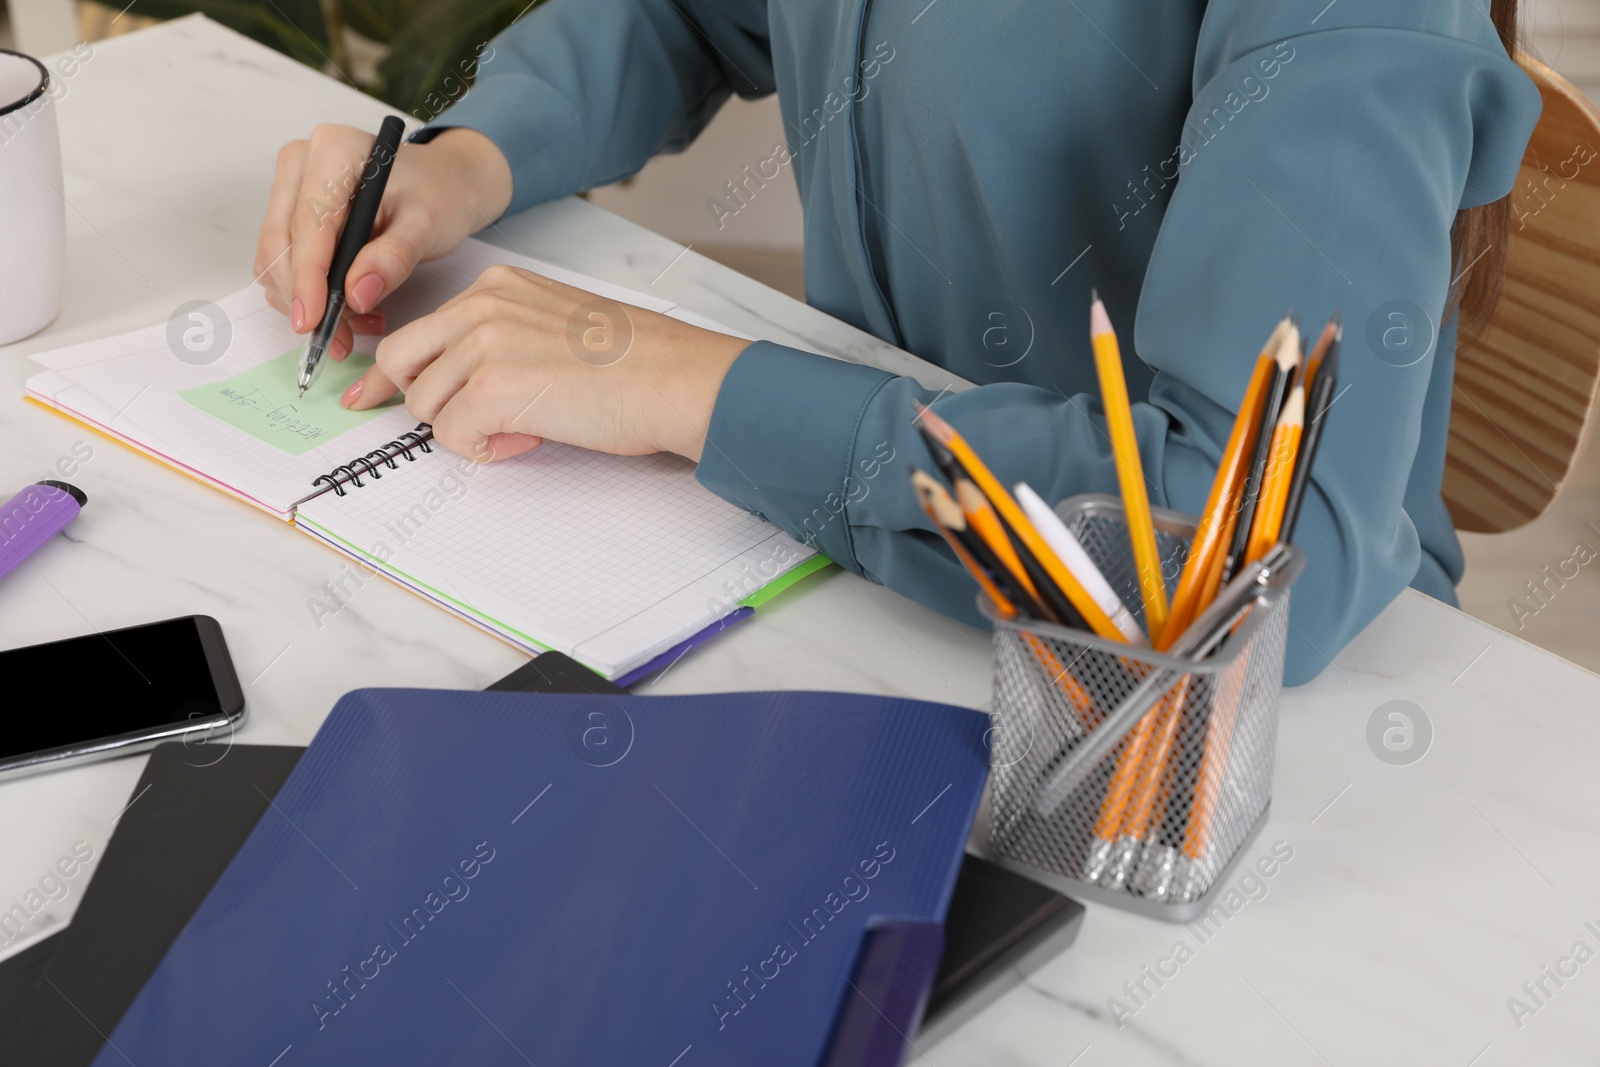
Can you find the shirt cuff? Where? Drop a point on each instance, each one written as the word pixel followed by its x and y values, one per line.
pixel 535 127
pixel 783 438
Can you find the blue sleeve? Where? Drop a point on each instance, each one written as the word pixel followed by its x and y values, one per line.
pixel 1340 192
pixel 582 93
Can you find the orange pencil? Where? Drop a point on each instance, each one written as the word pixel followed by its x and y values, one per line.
pixel 983 522
pixel 1213 764
pixel 1114 805
pixel 1265 530
pixel 1319 351
pixel 1213 532
pixel 1160 730
pixel 1141 804
pixel 947 517
pixel 1280 472
pixel 1011 513
pixel 1213 579
pixel 1288 360
pixel 1225 703
pixel 1197 584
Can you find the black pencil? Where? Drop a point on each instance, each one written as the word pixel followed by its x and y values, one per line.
pixel 977 506
pixel 947 514
pixel 943 458
pixel 1288 358
pixel 1052 602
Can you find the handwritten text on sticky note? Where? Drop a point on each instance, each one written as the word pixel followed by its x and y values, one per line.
pixel 262 401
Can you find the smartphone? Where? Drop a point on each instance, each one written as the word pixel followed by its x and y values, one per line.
pixel 118 692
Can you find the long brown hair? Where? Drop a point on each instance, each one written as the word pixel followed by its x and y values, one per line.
pixel 1483 231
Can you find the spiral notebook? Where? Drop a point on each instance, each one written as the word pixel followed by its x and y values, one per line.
pixel 612 560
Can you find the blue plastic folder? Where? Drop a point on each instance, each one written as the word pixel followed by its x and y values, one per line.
pixel 501 878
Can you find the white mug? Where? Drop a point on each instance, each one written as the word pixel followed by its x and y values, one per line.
pixel 32 212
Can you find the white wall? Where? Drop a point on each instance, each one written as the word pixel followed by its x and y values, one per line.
pixel 40 27
pixel 1566 35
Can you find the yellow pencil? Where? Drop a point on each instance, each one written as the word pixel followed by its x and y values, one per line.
pixel 1130 471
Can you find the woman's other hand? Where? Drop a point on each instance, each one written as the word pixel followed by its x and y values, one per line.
pixel 518 358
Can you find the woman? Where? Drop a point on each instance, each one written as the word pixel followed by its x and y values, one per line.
pixel 968 171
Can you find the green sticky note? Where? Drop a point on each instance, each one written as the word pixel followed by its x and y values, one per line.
pixel 262 402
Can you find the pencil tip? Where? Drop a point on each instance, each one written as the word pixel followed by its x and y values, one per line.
pixel 1099 319
pixel 1288 353
pixel 930 422
pixel 1294 408
pixel 1094 295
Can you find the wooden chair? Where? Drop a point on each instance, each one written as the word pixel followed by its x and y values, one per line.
pixel 1527 393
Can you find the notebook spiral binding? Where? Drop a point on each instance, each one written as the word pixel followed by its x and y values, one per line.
pixel 351 473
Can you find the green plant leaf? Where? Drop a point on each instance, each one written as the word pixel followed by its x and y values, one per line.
pixel 433 44
pixel 378 20
pixel 293 27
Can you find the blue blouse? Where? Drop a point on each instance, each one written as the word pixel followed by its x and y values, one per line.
pixel 969 171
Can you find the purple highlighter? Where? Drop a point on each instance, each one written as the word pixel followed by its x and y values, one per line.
pixel 32 517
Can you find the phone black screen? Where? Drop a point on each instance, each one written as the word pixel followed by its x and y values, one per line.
pixel 117 682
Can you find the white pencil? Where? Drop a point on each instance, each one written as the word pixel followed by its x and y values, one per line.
pixel 1072 553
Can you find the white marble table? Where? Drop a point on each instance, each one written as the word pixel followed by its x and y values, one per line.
pixel 1418 898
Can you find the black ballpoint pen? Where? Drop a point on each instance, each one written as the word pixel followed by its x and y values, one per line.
pixel 357 231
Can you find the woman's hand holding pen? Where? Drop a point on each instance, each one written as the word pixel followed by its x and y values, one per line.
pixel 519 357
pixel 514 359
pixel 437 194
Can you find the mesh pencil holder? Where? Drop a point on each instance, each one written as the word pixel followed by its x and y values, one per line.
pixel 1123 775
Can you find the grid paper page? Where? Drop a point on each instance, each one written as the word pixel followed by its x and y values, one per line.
pixel 129 384
pixel 610 559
